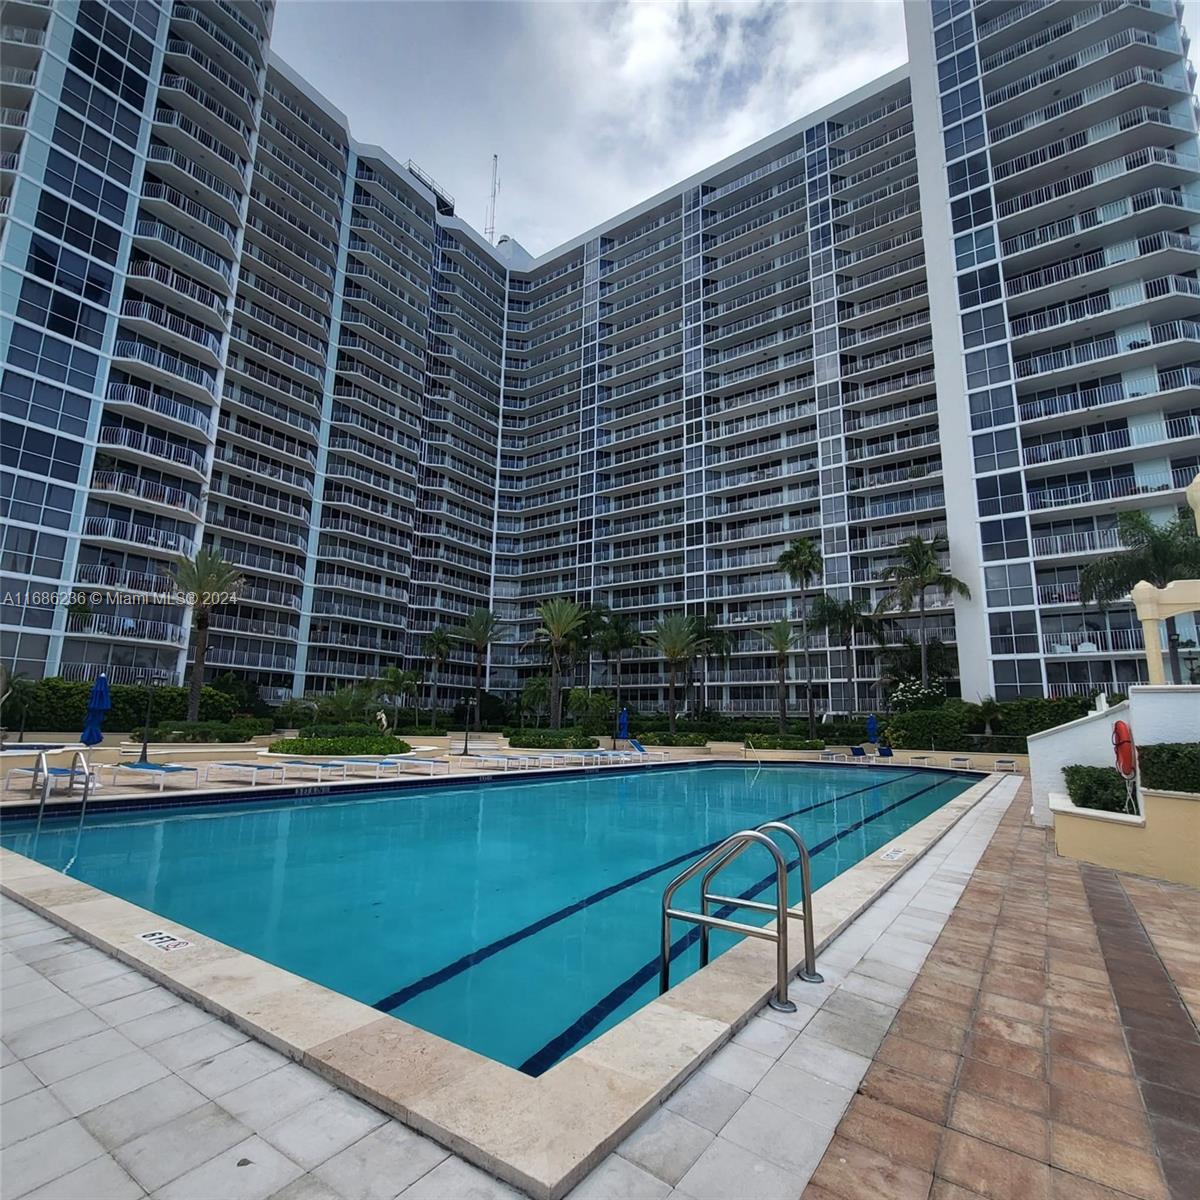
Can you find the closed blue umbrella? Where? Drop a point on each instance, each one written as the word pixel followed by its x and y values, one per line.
pixel 872 729
pixel 99 702
pixel 623 724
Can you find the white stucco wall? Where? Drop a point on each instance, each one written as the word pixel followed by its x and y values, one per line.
pixel 1155 714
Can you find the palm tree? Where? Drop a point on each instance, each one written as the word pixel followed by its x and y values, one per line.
pixel 674 637
pixel 16 699
pixel 714 641
pixel 842 620
pixel 479 633
pixel 618 635
pixel 410 687
pixel 1158 554
pixel 394 681
pixel 802 563
pixel 781 637
pixel 535 696
pixel 437 650
pixel 917 568
pixel 561 618
pixel 210 581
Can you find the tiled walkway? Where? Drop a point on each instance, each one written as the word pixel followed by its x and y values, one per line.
pixel 1043 1052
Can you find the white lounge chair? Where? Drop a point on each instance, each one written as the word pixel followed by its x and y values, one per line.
pixel 1008 765
pixel 960 762
pixel 68 775
pixel 832 756
pixel 155 772
pixel 251 771
pixel 394 765
pixel 305 769
pixel 642 752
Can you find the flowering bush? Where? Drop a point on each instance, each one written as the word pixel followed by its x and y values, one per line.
pixel 910 693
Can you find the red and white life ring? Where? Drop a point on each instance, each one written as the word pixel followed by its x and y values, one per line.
pixel 1122 738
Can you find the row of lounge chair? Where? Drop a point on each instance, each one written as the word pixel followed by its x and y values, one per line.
pixel 387 767
pixel 875 754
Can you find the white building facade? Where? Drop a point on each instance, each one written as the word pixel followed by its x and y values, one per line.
pixel 960 302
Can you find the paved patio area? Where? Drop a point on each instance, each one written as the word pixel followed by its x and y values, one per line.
pixel 1001 1023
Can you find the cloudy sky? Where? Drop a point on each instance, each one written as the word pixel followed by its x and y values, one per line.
pixel 591 106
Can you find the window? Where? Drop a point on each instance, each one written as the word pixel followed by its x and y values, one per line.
pixel 1008 586
pixel 964 102
pixel 44 404
pixel 30 551
pixel 1013 632
pixel 979 287
pixel 45 355
pixel 986 325
pixel 964 139
pixel 953 37
pixel 944 10
pixel 78 228
pixel 27 448
pixel 995 451
pixel 75 180
pixel 987 366
pixel 957 70
pixel 100 108
pixel 968 174
pixel 61 313
pixel 994 406
pixel 1004 539
pixel 970 249
pixel 972 210
pixel 1000 494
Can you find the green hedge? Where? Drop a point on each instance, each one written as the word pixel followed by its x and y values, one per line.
pixel 654 738
pixel 1170 766
pixel 942 728
pixel 1096 787
pixel 377 743
pixel 777 741
pixel 550 739
pixel 334 729
pixel 241 729
pixel 60 706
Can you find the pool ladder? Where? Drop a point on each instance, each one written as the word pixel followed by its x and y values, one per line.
pixel 41 772
pixel 715 861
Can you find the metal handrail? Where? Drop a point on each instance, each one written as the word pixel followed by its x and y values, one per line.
pixel 712 862
pixel 41 772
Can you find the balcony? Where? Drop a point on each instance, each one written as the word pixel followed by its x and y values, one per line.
pixel 118 673
pixel 158 588
pixel 1095 445
pixel 166 368
pixel 1133 301
pixel 1052 594
pixel 271 532
pixel 171 286
pixel 146 448
pixel 127 628
pixel 1104 491
pixel 130 533
pixel 1063 545
pixel 220 656
pixel 188 420
pixel 169 243
pixel 1094 641
pixel 1135 349
pixel 155 495
pixel 269 564
pixel 141 316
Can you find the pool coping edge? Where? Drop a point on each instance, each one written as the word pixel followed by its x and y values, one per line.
pixel 542 1135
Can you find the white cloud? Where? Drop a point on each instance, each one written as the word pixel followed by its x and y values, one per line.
pixel 592 107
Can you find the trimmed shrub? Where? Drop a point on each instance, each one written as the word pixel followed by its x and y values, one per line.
pixel 334 730
pixel 550 739
pixel 60 705
pixel 241 729
pixel 1170 766
pixel 942 728
pixel 378 743
pixel 778 741
pixel 655 738
pixel 1096 787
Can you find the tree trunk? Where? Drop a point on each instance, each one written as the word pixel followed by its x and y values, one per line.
pixel 781 692
pixel 921 635
pixel 433 689
pixel 555 691
pixel 808 682
pixel 479 658
pixel 198 668
pixel 617 680
pixel 1173 650
pixel 671 698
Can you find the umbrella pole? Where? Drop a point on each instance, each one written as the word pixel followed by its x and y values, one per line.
pixel 146 724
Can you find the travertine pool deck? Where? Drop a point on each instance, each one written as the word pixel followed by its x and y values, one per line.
pixel 546 1134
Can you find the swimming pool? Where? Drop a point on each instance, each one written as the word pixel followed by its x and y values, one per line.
pixel 517 917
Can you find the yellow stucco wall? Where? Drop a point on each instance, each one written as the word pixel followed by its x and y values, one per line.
pixel 1167 846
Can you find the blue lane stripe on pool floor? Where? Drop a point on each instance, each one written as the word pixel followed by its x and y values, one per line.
pixel 473 958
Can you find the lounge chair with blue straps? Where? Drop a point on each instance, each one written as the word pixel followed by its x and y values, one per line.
pixel 642 752
pixel 859 755
pixel 155 772
pixel 58 775
pixel 254 772
pixel 306 770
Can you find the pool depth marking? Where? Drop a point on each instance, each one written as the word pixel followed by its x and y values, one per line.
pixel 552 1051
pixel 473 958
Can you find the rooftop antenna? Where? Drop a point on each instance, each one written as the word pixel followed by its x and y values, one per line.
pixel 489 228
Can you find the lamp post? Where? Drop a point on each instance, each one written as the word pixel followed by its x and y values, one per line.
pixel 151 679
pixel 467 727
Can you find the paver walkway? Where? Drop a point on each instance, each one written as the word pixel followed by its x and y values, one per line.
pixel 1043 1052
pixel 115 1087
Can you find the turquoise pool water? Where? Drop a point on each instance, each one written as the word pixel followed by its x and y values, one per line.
pixel 518 918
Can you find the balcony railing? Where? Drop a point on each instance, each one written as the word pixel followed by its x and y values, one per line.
pixel 137 534
pixel 1099 491
pixel 112 625
pixel 145 489
pixel 1087 542
pixel 1093 641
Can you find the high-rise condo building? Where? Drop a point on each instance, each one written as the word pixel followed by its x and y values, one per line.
pixel 960 301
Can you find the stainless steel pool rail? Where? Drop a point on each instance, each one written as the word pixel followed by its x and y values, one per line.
pixel 711 864
pixel 41 773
